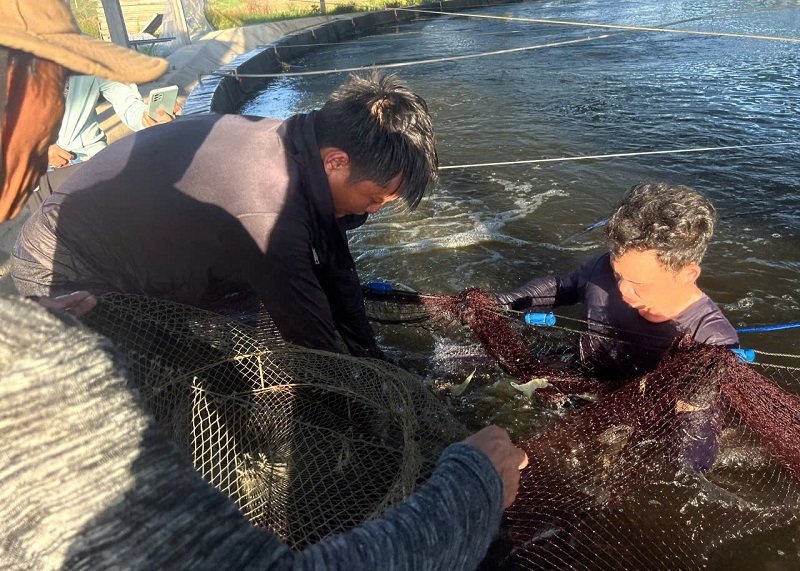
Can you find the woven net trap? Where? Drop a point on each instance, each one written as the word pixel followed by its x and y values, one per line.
pixel 307 443
pixel 695 465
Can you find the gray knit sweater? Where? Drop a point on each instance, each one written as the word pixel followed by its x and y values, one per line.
pixel 87 481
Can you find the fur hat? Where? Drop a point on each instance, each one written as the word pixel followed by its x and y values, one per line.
pixel 46 29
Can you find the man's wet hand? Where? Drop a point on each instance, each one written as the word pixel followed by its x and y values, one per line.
pixel 507 459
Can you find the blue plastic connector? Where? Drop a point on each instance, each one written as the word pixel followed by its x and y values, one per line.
pixel 746 355
pixel 540 319
pixel 379 286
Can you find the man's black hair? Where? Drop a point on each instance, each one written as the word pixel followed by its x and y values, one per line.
pixel 675 221
pixel 386 130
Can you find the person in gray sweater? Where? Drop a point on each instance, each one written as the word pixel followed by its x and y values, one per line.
pixel 88 481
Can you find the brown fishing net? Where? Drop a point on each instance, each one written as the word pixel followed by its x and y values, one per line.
pixel 695 465
pixel 670 471
pixel 546 354
pixel 307 443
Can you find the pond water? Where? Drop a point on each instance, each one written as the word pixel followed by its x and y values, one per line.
pixel 632 91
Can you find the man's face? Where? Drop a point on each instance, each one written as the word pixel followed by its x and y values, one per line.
pixel 33 115
pixel 654 290
pixel 355 197
pixel 363 197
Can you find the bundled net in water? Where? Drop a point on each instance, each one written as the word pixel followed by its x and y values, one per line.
pixel 695 465
pixel 307 443
pixel 523 353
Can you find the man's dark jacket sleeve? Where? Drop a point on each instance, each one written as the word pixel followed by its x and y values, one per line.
pixel 551 292
pixel 313 293
pixel 343 289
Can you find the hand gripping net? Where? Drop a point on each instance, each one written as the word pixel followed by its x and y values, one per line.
pixel 307 443
pixel 695 465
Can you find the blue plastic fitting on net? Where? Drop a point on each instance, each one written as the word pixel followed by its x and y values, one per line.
pixel 746 355
pixel 540 319
pixel 383 287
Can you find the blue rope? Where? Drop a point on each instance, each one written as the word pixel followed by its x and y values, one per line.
pixel 769 327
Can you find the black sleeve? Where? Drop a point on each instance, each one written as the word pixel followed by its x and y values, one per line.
pixel 551 292
pixel 310 298
pixel 539 293
pixel 343 290
pixel 285 281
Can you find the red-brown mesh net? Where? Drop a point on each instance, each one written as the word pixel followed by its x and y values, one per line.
pixel 636 480
pixel 479 311
pixel 695 465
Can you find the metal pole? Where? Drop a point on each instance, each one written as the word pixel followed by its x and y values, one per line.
pixel 180 22
pixel 116 22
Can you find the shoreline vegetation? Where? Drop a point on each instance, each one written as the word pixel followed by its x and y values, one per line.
pixel 222 14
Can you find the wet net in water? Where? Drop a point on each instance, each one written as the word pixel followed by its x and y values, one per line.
pixel 695 465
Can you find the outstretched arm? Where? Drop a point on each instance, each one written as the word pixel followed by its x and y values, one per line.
pixel 537 293
pixel 446 525
pixel 551 292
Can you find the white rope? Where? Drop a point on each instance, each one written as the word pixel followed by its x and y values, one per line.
pixel 609 26
pixel 234 73
pixel 617 155
pixel 394 38
pixel 759 352
pixel 408 63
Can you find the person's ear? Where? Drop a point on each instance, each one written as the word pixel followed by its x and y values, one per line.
pixel 335 161
pixel 690 273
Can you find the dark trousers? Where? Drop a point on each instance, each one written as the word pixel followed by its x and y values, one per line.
pixel 49 183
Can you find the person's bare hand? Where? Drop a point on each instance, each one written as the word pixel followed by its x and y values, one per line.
pixel 164 117
pixel 58 157
pixel 77 303
pixel 507 459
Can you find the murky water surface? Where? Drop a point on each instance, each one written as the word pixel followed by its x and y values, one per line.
pixel 621 92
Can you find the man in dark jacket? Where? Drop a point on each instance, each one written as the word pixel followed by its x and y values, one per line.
pixel 643 295
pixel 214 205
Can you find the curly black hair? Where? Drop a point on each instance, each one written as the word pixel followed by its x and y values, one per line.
pixel 675 221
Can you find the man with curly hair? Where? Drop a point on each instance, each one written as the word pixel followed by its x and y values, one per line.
pixel 641 295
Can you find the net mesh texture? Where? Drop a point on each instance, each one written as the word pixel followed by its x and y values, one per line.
pixel 695 465
pixel 307 443
pixel 692 466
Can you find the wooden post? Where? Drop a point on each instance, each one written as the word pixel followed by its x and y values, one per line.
pixel 116 22
pixel 322 7
pixel 180 22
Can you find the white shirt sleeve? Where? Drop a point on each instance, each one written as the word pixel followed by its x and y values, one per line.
pixel 126 100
